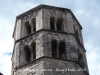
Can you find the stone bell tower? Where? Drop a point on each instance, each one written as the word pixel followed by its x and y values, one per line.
pixel 48 41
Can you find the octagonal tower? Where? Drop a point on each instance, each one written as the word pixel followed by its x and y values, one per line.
pixel 48 38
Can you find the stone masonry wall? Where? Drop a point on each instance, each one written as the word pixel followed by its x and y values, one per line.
pixel 75 54
pixel 50 66
pixel 43 46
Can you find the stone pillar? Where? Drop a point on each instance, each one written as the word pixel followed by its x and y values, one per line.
pixel 30 22
pixel 69 23
pixel 31 52
pixel 55 24
pixel 16 64
pixel 17 30
pixel 57 49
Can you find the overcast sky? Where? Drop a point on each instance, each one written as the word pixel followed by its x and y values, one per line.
pixel 86 11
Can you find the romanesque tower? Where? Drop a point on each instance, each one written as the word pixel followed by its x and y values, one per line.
pixel 48 41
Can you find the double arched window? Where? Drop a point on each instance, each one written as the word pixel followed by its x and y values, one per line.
pixel 30 27
pixel 56 25
pixel 58 50
pixel 30 52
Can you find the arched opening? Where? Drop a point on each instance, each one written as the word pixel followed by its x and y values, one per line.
pixel 34 24
pixel 80 59
pixel 27 28
pixel 59 24
pixel 27 53
pixel 33 46
pixel 52 27
pixel 76 34
pixel 54 48
pixel 62 51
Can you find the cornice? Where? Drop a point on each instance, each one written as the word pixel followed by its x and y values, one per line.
pixel 40 7
pixel 52 31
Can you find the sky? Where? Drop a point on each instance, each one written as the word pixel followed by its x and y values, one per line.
pixel 87 13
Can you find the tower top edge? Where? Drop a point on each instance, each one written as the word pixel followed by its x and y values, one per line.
pixel 40 7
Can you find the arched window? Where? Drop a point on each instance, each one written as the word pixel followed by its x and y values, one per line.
pixel 59 24
pixel 27 28
pixel 52 27
pixel 27 53
pixel 62 50
pixel 33 46
pixel 81 59
pixel 34 24
pixel 77 34
pixel 54 48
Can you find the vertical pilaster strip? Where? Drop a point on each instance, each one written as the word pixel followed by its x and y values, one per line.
pixel 18 29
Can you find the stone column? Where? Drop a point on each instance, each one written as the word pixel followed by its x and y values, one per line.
pixel 31 49
pixel 31 24
pixel 57 49
pixel 55 24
